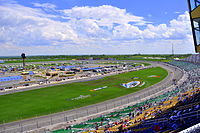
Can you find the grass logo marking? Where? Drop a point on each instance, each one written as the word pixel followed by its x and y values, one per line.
pixel 153 76
pixel 131 84
pixel 99 88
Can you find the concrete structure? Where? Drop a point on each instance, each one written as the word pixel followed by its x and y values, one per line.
pixel 194 10
pixel 52 73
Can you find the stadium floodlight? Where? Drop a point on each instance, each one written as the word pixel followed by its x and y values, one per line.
pixel 172 49
pixel 23 59
pixel 194 10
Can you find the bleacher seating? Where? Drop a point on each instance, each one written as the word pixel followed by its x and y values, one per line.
pixel 185 65
pixel 181 116
pixel 140 118
pixel 193 58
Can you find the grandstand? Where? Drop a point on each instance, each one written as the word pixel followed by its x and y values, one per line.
pixel 195 58
pixel 194 11
pixel 184 65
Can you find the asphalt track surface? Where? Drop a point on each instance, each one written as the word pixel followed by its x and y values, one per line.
pixel 20 126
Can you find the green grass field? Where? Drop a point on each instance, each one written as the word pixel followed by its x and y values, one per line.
pixel 43 60
pixel 48 100
pixel 38 60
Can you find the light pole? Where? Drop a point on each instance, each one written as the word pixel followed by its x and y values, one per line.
pixel 23 59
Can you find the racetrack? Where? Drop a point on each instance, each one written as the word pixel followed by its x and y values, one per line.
pixel 30 124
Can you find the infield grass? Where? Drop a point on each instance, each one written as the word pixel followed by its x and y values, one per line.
pixel 58 98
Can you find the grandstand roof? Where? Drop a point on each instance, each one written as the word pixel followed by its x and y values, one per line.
pixel 63 67
pixel 10 78
pixel 88 69
pixel 31 72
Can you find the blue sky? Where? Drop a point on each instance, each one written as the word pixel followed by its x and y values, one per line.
pixel 39 27
pixel 161 11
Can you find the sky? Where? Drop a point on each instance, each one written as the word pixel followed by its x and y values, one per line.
pixel 78 27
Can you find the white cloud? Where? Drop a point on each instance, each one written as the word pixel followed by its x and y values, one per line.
pixel 177 29
pixel 45 5
pixel 105 15
pixel 27 26
pixel 127 31
pixel 85 30
pixel 149 15
pixel 177 12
